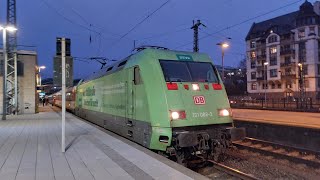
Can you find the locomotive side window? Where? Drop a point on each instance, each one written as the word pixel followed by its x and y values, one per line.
pixel 137 77
pixel 186 71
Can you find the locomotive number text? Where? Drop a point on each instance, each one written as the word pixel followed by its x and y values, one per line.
pixel 202 114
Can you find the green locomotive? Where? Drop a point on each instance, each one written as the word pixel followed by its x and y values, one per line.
pixel 169 101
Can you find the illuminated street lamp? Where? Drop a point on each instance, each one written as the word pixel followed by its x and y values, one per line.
pixel 301 81
pixel 39 68
pixel 265 64
pixel 223 46
pixel 4 70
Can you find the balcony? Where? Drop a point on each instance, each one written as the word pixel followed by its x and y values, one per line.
pixel 288 75
pixel 287 52
pixel 260 78
pixel 283 65
pixel 259 67
pixel 260 57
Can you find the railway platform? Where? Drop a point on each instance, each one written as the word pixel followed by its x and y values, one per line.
pixel 295 129
pixel 30 149
pixel 286 118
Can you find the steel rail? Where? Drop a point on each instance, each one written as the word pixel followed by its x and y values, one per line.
pixel 285 155
pixel 232 172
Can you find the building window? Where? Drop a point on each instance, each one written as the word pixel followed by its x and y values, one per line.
pixel 302 52
pixel 252 44
pixel 253 64
pixel 273 73
pixel 312 30
pixel 253 75
pixel 264 86
pixel 272 39
pixel 305 69
pixel 288 85
pixel 273 86
pixel 288 71
pixel 273 50
pixel 279 86
pixel 318 69
pixel 301 33
pixel 253 54
pixel 287 60
pixel 254 86
pixel 306 84
pixel 273 61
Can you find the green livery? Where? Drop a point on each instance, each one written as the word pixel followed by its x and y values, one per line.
pixel 169 101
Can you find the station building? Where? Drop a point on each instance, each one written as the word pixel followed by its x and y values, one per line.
pixel 283 55
pixel 27 81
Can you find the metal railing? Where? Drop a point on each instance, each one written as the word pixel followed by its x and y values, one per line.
pixel 307 104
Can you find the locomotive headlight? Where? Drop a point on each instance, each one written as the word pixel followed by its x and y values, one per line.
pixel 224 112
pixel 195 87
pixel 175 115
pixel 178 115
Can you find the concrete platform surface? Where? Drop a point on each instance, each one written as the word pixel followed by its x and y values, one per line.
pixel 30 149
pixel 299 119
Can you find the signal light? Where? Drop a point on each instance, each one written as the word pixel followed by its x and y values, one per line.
pixel 217 86
pixel 186 86
pixel 178 115
pixel 195 87
pixel 206 86
pixel 172 86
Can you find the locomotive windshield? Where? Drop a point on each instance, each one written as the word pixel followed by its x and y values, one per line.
pixel 186 71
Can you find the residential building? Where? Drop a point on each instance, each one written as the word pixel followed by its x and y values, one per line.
pixel 283 55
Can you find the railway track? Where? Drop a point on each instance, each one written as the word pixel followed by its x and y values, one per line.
pixel 280 151
pixel 231 171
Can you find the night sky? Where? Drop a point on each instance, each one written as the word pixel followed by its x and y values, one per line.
pixel 41 21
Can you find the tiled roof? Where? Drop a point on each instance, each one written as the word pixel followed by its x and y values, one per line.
pixel 280 25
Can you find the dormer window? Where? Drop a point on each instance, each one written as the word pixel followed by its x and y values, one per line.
pixel 272 39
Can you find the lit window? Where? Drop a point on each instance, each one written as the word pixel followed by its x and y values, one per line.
pixel 254 86
pixel 273 50
pixel 289 85
pixel 253 54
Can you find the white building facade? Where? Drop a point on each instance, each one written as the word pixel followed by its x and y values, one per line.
pixel 283 55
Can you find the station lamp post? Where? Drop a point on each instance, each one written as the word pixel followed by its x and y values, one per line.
pixel 223 46
pixel 39 68
pixel 265 64
pixel 4 67
pixel 301 82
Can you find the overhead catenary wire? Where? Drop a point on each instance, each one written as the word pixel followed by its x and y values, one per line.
pixel 242 22
pixel 140 22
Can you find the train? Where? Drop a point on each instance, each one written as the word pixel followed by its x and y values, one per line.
pixel 172 102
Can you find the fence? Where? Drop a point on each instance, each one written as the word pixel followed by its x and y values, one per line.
pixel 306 105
